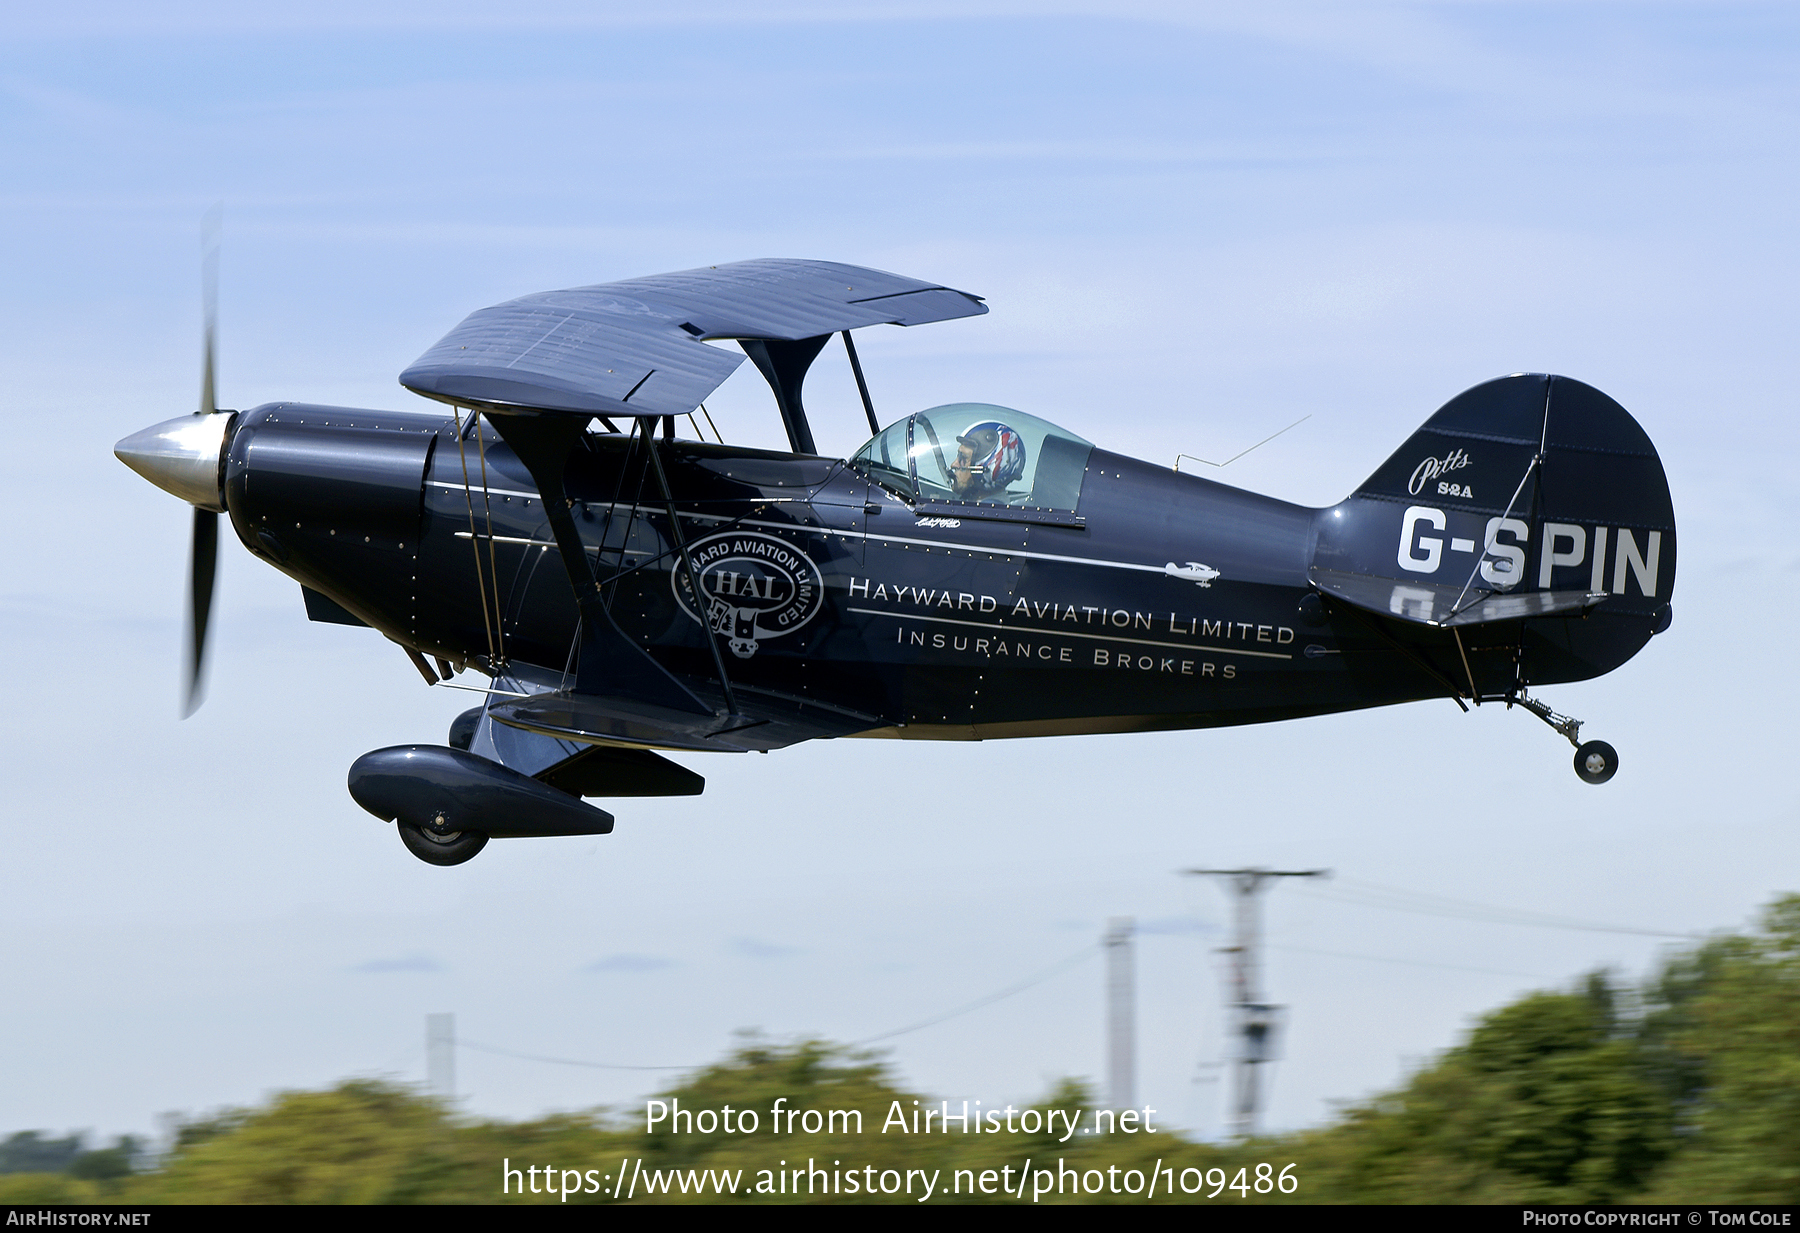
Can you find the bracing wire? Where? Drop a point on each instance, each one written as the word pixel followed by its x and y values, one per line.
pixel 475 541
pixel 487 504
pixel 1494 535
pixel 631 440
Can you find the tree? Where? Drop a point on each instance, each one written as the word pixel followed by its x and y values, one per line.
pixel 1734 1041
pixel 1547 1101
pixel 29 1151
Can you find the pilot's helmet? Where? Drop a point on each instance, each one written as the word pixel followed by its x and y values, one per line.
pixel 998 453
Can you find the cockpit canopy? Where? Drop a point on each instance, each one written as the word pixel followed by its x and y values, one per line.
pixel 978 452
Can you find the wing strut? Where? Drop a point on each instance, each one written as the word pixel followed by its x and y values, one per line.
pixel 687 564
pixel 608 662
pixel 784 364
pixel 862 387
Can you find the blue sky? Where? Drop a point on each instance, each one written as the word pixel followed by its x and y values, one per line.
pixel 1194 224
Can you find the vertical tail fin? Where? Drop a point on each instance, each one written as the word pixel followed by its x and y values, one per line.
pixel 1525 497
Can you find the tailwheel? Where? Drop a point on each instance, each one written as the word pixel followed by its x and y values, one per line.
pixel 437 847
pixel 1596 762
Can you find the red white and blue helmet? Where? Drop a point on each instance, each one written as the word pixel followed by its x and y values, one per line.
pixel 998 453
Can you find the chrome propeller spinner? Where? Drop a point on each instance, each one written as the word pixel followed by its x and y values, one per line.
pixel 185 457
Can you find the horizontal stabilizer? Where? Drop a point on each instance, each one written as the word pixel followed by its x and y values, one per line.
pixel 1426 603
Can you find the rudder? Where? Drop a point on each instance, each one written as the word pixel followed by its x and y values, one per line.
pixel 1526 498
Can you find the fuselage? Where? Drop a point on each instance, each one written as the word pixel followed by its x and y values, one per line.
pixel 1163 601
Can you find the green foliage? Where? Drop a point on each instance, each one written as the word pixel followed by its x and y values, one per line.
pixel 1687 1091
pixel 1739 1033
pixel 32 1164
pixel 1547 1102
pixel 107 1164
pixel 366 1142
pixel 30 1151
pixel 1684 1091
pixel 361 1142
pixel 31 1189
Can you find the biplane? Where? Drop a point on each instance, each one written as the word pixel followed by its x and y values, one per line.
pixel 628 588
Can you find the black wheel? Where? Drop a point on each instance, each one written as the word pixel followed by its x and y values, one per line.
pixel 441 848
pixel 1596 762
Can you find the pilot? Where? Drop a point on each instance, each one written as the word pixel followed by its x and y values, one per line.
pixel 989 456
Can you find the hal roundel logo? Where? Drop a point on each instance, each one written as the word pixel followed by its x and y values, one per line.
pixel 751 587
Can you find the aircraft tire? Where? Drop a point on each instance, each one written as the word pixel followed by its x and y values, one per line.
pixel 1596 762
pixel 434 849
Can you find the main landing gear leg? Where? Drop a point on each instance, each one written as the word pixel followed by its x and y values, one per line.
pixel 1595 761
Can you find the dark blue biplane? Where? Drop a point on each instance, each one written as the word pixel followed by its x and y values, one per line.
pixel 973 572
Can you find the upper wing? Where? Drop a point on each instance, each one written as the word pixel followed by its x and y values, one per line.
pixel 637 347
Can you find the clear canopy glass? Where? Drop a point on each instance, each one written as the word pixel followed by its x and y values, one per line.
pixel 978 452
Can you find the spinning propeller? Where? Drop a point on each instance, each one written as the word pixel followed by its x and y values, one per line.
pixel 185 457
